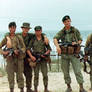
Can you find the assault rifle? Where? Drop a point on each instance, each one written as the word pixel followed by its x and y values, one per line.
pixel 11 51
pixel 66 44
pixel 85 58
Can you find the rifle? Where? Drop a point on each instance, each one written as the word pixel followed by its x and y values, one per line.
pixel 66 44
pixel 39 58
pixel 11 51
pixel 68 48
pixel 85 61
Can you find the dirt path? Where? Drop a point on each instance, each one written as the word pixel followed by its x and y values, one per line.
pixel 56 83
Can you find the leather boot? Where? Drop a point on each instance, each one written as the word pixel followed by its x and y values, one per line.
pixel 69 89
pixel 82 89
pixel 35 89
pixel 11 89
pixel 46 89
pixel 21 89
pixel 29 90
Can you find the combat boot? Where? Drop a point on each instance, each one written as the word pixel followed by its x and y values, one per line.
pixel 69 89
pixel 29 90
pixel 21 89
pixel 46 89
pixel 82 89
pixel 36 90
pixel 11 89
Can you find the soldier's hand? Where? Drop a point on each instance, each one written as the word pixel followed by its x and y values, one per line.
pixel 43 56
pixel 74 43
pixel 16 52
pixel 5 53
pixel 85 58
pixel 58 50
pixel 33 58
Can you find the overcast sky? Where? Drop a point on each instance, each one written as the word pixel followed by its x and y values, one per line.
pixel 47 13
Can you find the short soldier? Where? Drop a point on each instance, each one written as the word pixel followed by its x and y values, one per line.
pixel 15 59
pixel 26 38
pixel 89 45
pixel 69 34
pixel 38 53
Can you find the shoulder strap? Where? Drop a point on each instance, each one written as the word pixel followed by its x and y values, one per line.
pixel 74 34
pixel 18 38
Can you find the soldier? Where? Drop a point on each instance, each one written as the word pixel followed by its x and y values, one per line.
pixel 27 69
pixel 89 45
pixel 15 61
pixel 69 34
pixel 39 47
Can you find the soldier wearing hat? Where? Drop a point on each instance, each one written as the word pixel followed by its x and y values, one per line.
pixel 69 34
pixel 39 47
pixel 15 61
pixel 27 68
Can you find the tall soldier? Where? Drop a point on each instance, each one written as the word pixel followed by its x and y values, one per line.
pixel 15 60
pixel 69 34
pixel 89 45
pixel 38 49
pixel 27 69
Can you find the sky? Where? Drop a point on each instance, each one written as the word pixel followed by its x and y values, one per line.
pixel 47 13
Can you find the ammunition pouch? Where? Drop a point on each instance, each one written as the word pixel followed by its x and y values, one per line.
pixel 70 50
pixel 31 63
pixel 48 59
pixel 77 49
pixel 67 50
pixel 63 50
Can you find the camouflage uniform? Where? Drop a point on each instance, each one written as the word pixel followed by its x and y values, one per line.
pixel 39 47
pixel 15 63
pixel 89 44
pixel 27 68
pixel 70 36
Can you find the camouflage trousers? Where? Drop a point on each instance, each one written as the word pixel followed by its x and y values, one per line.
pixel 15 65
pixel 91 71
pixel 43 66
pixel 65 64
pixel 28 73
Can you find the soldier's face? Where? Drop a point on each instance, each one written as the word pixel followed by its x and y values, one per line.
pixel 38 32
pixel 67 22
pixel 12 29
pixel 25 30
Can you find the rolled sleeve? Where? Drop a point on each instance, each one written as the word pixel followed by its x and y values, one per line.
pixel 58 35
pixel 78 35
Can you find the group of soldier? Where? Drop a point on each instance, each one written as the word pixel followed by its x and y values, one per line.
pixel 26 51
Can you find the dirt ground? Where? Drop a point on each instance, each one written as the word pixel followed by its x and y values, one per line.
pixel 56 83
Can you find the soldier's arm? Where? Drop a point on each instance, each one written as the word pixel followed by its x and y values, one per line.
pixel 88 40
pixel 21 42
pixel 56 38
pixel 2 43
pixel 78 36
pixel 57 46
pixel 46 40
pixel 29 52
pixel 48 47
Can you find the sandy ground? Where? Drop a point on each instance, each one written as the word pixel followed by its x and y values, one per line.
pixel 56 83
